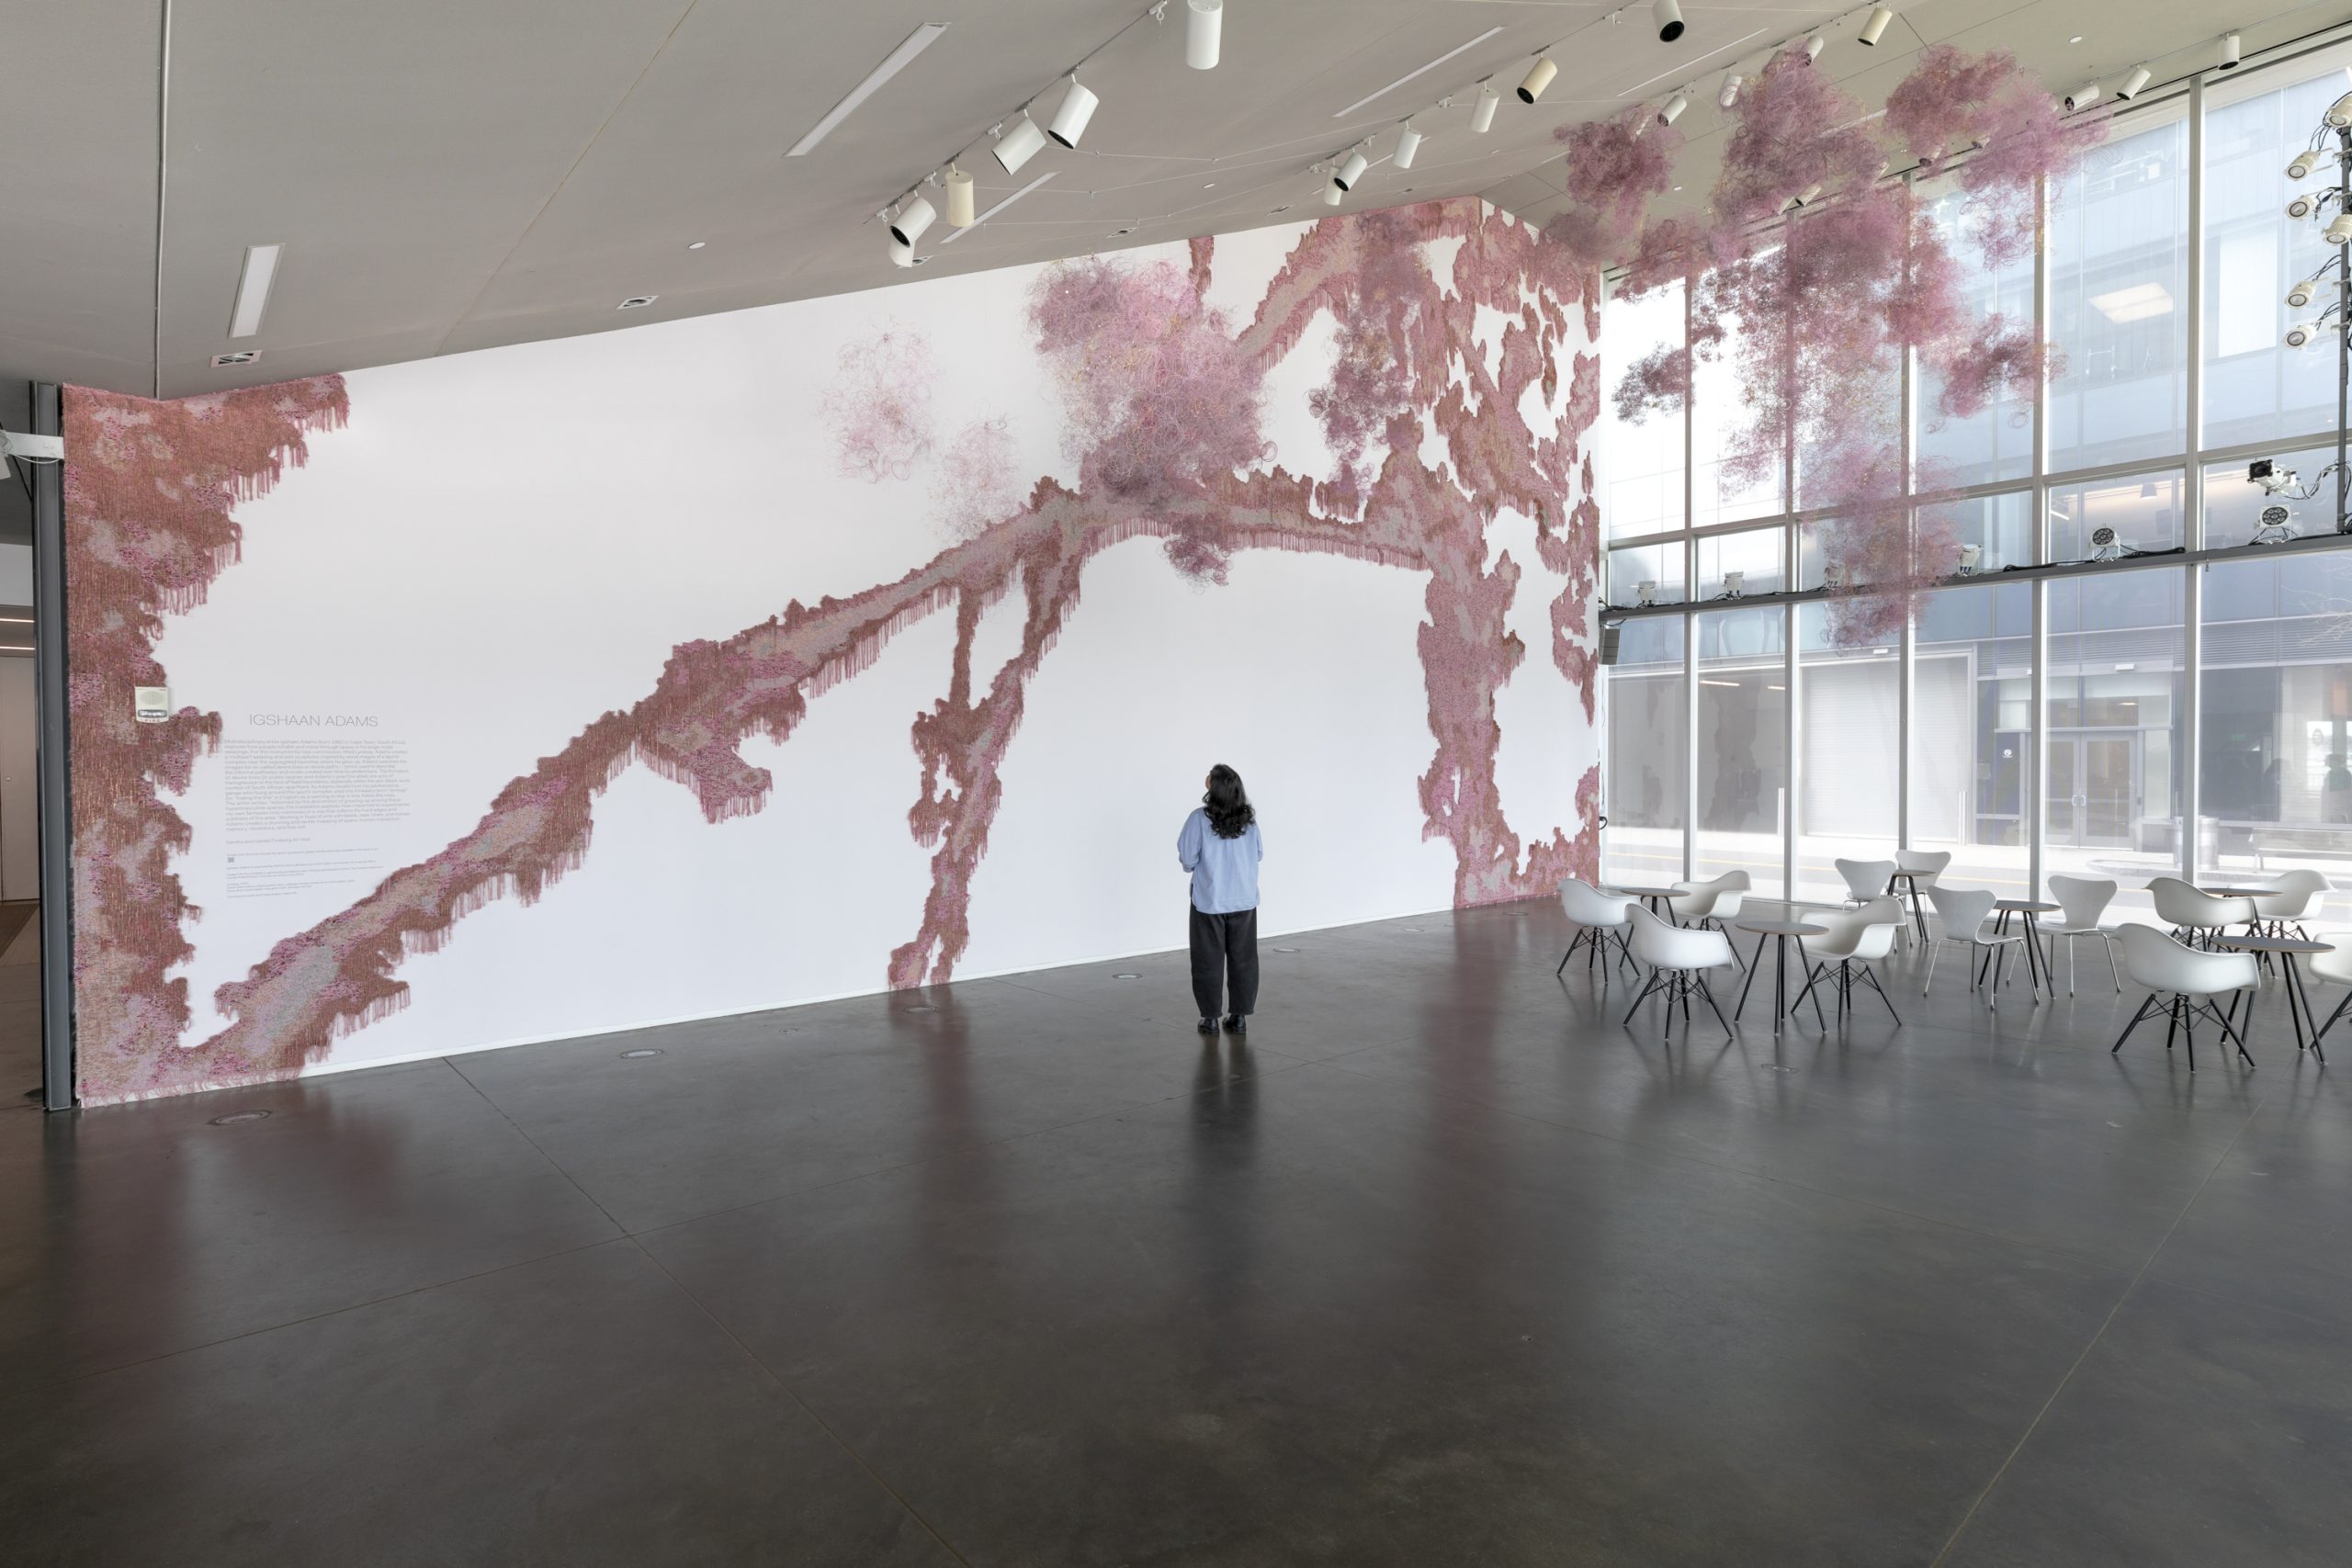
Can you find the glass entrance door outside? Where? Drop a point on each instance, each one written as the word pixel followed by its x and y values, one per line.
pixel 2094 783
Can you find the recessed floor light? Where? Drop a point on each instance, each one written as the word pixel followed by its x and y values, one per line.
pixel 697 244
pixel 636 301
pixel 639 1054
pixel 240 356
pixel 1123 975
pixel 235 1117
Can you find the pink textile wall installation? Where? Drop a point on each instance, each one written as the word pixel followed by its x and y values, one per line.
pixel 1164 396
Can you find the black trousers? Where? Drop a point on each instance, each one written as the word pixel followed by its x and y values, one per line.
pixel 1225 945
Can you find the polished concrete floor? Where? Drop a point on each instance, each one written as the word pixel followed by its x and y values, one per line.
pixel 1443 1266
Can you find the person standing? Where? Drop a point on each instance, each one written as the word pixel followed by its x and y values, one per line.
pixel 1221 847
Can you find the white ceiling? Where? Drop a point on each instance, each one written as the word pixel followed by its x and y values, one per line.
pixel 450 175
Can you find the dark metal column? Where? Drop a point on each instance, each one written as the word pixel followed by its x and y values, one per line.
pixel 55 809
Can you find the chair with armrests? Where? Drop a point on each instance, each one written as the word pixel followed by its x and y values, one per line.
pixel 2195 915
pixel 1598 917
pixel 2336 963
pixel 1856 938
pixel 2185 981
pixel 1707 905
pixel 2081 901
pixel 2299 892
pixel 1865 879
pixel 1679 957
pixel 1961 912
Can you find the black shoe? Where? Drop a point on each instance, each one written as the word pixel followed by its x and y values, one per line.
pixel 1208 1026
pixel 1236 1023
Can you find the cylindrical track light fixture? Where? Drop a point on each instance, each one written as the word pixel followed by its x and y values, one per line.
pixel 1332 193
pixel 2339 113
pixel 1668 13
pixel 2339 232
pixel 914 216
pixel 1351 170
pixel 1203 32
pixel 2232 50
pixel 1070 120
pixel 1409 143
pixel 1482 117
pixel 2133 80
pixel 1730 95
pixel 1539 77
pixel 2083 97
pixel 959 197
pixel 1018 145
pixel 901 253
pixel 1874 26
pixel 1814 46
pixel 1671 110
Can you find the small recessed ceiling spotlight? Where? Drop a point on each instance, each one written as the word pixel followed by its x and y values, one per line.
pixel 637 302
pixel 1482 118
pixel 1539 77
pixel 1672 109
pixel 1211 185
pixel 2232 50
pixel 2076 38
pixel 1874 26
pixel 697 244
pixel 1017 146
pixel 1667 14
pixel 239 357
pixel 1283 207
pixel 1123 233
pixel 1202 30
pixel 1070 120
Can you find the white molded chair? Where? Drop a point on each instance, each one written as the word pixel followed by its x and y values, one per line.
pixel 2081 901
pixel 2336 964
pixel 2189 979
pixel 1929 864
pixel 1707 905
pixel 1961 912
pixel 1865 879
pixel 1679 958
pixel 2292 905
pixel 2195 915
pixel 1596 915
pixel 1856 938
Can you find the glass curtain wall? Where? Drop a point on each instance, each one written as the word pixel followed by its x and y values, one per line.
pixel 2157 716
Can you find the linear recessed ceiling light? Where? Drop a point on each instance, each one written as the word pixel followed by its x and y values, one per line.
pixel 252 290
pixel 1418 71
pixel 922 38
pixel 1001 206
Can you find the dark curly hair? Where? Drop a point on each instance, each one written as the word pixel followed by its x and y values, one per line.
pixel 1228 803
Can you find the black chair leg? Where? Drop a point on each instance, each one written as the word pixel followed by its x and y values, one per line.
pixel 2146 1003
pixel 1643 998
pixel 2229 1032
pixel 1705 991
pixel 1872 976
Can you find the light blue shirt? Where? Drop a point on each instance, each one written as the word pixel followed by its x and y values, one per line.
pixel 1225 871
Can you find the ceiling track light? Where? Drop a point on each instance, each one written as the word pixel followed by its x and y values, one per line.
pixel 1017 146
pixel 1730 95
pixel 959 186
pixel 1351 170
pixel 1814 46
pixel 1482 117
pixel 914 214
pixel 1874 26
pixel 1077 108
pixel 1408 143
pixel 1203 32
pixel 1667 14
pixel 1332 193
pixel 2083 97
pixel 901 253
pixel 1672 109
pixel 2232 50
pixel 2133 80
pixel 1539 77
